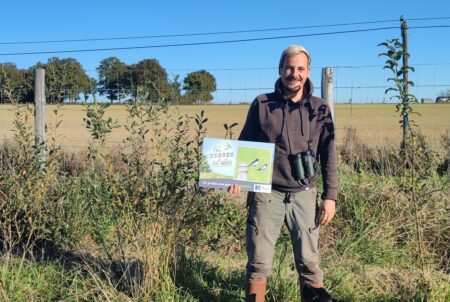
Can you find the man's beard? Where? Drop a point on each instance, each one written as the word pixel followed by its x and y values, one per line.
pixel 288 90
pixel 294 90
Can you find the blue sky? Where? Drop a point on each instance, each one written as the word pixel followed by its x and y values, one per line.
pixel 242 69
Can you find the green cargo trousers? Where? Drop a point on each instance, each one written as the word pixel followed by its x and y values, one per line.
pixel 266 215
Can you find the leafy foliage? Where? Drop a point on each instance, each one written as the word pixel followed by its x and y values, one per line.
pixel 16 85
pixel 229 130
pixel 98 126
pixel 199 85
pixel 151 77
pixel 145 80
pixel 65 79
pixel 114 78
pixel 394 53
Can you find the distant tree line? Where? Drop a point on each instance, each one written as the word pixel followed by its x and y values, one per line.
pixel 67 81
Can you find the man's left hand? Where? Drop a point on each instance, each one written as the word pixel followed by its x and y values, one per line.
pixel 327 211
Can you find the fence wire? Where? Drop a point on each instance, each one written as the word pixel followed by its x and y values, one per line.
pixel 352 84
pixel 352 87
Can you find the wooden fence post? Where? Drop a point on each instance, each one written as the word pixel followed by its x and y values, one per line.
pixel 327 87
pixel 39 110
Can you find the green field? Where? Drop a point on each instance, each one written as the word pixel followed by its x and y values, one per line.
pixel 376 124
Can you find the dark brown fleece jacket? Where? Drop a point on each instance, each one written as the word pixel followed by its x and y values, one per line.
pixel 275 118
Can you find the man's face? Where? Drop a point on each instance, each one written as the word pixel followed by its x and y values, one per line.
pixel 294 73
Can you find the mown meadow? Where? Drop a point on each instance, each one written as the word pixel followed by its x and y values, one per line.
pixel 377 124
pixel 127 222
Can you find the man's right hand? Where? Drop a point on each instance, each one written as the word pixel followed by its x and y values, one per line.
pixel 234 189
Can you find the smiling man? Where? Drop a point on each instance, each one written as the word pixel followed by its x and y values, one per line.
pixel 301 127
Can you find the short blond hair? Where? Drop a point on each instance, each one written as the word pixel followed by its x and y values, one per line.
pixel 294 50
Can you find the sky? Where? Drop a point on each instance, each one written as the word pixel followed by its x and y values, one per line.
pixel 245 69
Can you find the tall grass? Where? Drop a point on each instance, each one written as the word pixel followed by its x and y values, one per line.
pixel 131 224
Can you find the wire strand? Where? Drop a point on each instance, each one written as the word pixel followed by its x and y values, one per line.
pixel 430 18
pixel 216 33
pixel 217 42
pixel 195 34
pixel 197 43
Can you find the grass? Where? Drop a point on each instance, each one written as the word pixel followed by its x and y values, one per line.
pixel 377 124
pixel 129 224
pixel 41 281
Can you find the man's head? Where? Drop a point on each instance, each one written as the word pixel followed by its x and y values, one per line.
pixel 294 70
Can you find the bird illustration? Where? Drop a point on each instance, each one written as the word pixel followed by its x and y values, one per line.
pixel 253 163
pixel 262 168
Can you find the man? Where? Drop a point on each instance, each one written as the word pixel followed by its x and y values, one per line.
pixel 302 129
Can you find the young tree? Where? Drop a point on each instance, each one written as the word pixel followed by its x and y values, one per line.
pixel 199 85
pixel 394 53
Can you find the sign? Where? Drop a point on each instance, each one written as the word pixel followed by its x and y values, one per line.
pixel 226 162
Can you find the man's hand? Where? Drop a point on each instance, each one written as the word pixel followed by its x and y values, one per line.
pixel 234 189
pixel 327 211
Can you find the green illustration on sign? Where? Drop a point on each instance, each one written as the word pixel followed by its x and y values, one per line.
pixel 252 164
